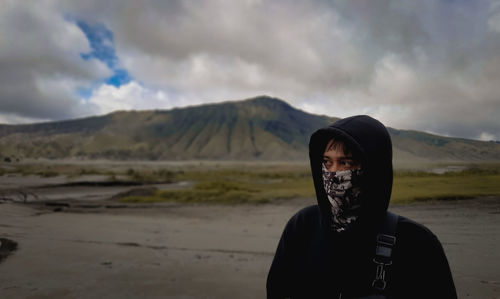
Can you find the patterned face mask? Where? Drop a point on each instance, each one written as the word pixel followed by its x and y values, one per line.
pixel 343 190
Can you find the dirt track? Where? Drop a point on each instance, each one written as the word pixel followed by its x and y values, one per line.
pixel 205 251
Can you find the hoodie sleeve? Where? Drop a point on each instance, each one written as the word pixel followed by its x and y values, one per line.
pixel 278 279
pixel 282 280
pixel 422 260
pixel 436 275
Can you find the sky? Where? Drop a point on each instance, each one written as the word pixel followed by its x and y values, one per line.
pixel 425 65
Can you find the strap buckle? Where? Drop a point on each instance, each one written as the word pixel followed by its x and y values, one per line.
pixel 382 258
pixel 383 251
pixel 379 282
pixel 386 240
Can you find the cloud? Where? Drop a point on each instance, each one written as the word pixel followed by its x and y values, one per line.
pixel 426 65
pixel 494 18
pixel 130 96
pixel 485 136
pixel 240 46
pixel 40 63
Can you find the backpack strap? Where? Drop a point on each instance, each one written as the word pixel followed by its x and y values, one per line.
pixel 386 240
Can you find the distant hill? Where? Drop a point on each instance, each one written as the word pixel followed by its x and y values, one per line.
pixel 261 128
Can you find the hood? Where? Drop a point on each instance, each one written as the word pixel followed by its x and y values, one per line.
pixel 370 140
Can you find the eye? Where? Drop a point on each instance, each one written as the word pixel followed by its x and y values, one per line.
pixel 327 162
pixel 347 163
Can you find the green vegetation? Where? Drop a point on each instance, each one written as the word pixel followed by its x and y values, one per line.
pixel 231 183
pixel 473 182
pixel 261 185
pixel 214 192
pixel 255 185
pixel 155 176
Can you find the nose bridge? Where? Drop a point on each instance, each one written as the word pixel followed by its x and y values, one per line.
pixel 335 166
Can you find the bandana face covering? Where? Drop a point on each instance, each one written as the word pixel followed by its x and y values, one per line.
pixel 343 190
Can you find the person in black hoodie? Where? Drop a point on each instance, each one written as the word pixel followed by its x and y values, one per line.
pixel 327 250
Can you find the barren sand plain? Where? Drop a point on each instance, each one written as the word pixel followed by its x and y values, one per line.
pixel 204 251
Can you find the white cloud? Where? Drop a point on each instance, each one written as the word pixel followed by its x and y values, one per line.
pixel 6 118
pixel 484 136
pixel 131 96
pixel 40 63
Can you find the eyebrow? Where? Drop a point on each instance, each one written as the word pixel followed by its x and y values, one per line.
pixel 343 157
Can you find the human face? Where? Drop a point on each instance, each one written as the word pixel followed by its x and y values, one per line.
pixel 335 159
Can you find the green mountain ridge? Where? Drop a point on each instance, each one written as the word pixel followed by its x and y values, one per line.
pixel 260 128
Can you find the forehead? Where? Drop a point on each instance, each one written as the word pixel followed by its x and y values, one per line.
pixel 336 146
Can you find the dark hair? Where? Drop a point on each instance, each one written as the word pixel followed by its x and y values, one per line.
pixel 348 149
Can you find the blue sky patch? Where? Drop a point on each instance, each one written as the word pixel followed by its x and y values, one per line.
pixel 119 77
pixel 102 45
pixel 84 92
pixel 101 41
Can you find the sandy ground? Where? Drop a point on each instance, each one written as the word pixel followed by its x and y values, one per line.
pixel 178 251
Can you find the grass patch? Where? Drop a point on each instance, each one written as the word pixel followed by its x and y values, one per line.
pixel 155 176
pixel 234 186
pixel 213 191
pixel 445 186
pixel 47 173
pixel 259 185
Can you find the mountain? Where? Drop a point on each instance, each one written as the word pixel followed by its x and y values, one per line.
pixel 261 128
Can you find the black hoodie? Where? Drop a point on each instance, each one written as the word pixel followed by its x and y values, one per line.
pixel 313 261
